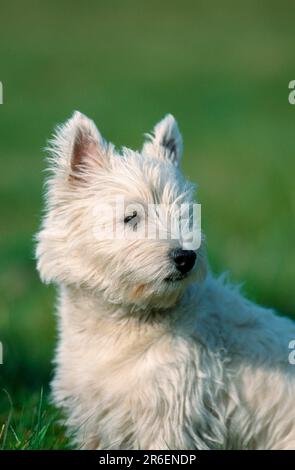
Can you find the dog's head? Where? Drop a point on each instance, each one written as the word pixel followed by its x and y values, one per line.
pixel 120 224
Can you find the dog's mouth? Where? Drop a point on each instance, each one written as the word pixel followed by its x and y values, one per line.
pixel 175 277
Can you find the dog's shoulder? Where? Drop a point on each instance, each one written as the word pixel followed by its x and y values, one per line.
pixel 231 325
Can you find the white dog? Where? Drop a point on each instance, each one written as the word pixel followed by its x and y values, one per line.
pixel 153 353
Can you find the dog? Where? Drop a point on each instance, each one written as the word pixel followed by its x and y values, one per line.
pixel 154 352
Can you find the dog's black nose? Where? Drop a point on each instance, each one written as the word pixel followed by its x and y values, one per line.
pixel 184 259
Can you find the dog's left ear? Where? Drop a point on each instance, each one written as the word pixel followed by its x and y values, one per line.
pixel 165 141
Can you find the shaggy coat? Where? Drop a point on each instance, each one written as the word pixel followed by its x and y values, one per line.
pixel 146 361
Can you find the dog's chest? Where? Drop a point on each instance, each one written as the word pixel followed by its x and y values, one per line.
pixel 144 383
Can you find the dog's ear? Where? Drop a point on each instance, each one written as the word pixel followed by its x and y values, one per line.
pixel 77 146
pixel 165 141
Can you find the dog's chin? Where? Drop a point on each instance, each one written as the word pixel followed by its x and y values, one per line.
pixel 163 294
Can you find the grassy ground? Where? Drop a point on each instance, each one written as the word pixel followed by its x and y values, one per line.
pixel 223 69
pixel 32 424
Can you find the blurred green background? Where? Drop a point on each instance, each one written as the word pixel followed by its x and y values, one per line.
pixel 222 68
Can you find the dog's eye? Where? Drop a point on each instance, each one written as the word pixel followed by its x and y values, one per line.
pixel 130 217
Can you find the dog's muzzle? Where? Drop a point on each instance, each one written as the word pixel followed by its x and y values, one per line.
pixel 184 261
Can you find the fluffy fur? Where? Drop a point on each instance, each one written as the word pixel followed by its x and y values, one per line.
pixel 143 363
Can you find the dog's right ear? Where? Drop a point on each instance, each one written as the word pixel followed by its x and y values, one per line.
pixel 77 147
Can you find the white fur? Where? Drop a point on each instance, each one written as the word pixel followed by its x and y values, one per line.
pixel 142 363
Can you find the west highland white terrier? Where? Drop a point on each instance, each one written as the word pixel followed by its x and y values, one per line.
pixel 153 352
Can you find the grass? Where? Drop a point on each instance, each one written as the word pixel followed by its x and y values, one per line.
pixel 34 425
pixel 223 70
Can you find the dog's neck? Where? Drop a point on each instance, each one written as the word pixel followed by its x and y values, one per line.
pixel 90 308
